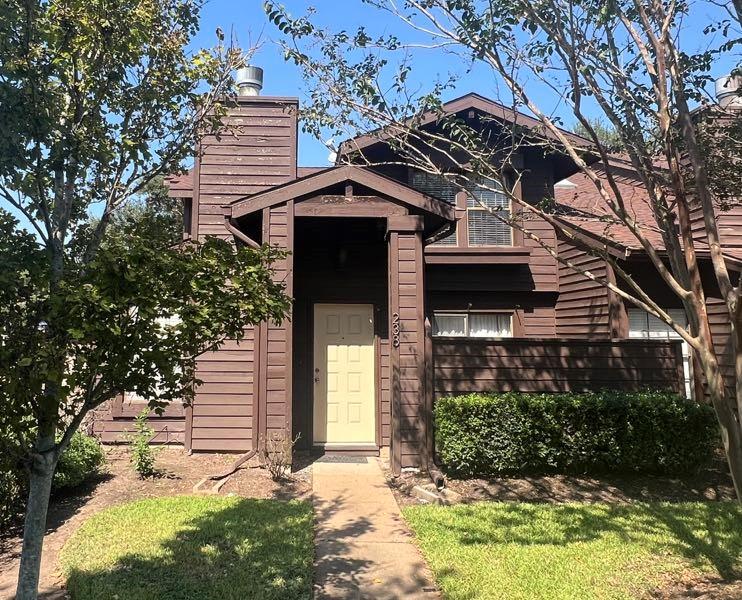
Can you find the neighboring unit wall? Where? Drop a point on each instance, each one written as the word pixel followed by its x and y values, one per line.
pixel 555 365
pixel 722 334
pixel 583 309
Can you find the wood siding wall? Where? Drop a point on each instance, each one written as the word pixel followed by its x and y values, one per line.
pixel 554 365
pixel 408 346
pixel 278 225
pixel 536 185
pixel 583 307
pixel 115 419
pixel 257 152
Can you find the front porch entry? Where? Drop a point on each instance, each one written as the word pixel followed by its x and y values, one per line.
pixel 355 239
pixel 344 376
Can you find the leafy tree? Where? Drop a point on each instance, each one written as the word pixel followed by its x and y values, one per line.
pixel 99 99
pixel 608 136
pixel 634 63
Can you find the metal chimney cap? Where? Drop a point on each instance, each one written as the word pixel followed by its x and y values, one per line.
pixel 249 81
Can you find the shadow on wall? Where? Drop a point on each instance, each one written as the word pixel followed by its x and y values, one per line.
pixel 246 549
pixel 554 365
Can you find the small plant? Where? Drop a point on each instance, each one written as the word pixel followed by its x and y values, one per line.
pixel 277 451
pixel 81 460
pixel 142 454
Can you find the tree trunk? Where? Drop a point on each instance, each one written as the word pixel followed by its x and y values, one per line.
pixel 39 489
pixel 731 432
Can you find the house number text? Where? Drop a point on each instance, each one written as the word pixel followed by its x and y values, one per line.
pixel 395 330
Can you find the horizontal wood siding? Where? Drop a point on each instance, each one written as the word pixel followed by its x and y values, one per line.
pixel 279 350
pixel 539 322
pixel 222 412
pixel 583 308
pixel 537 184
pixel 407 358
pixel 554 365
pixel 722 335
pixel 115 419
pixel 257 151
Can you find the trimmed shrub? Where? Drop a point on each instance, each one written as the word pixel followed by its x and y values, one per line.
pixel 81 460
pixel 595 432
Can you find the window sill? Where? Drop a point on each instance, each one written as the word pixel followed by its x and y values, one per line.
pixel 487 255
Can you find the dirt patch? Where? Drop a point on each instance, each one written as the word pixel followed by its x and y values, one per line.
pixel 712 484
pixel 700 589
pixel 118 484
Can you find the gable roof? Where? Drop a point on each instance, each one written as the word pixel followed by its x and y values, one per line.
pixel 467 102
pixel 580 206
pixel 320 180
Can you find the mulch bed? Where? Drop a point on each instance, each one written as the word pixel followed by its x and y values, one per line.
pixel 118 483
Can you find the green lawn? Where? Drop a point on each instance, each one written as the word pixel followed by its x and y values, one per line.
pixel 193 548
pixel 575 551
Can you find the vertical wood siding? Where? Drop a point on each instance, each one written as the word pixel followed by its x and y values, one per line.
pixel 583 308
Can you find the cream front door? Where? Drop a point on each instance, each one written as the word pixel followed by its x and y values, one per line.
pixel 344 397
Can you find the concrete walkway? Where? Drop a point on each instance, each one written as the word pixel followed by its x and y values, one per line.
pixel 363 546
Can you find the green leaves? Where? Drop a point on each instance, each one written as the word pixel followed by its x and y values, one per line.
pixel 651 432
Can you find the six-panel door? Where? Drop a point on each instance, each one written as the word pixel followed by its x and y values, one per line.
pixel 344 396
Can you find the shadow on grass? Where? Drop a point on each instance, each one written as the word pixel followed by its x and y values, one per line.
pixel 702 533
pixel 232 549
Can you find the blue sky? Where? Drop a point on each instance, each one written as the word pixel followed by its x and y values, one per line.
pixel 247 19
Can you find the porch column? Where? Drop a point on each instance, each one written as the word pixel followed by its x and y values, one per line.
pixel 407 336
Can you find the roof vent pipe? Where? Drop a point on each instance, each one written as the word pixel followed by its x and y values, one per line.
pixel 249 81
pixel 729 91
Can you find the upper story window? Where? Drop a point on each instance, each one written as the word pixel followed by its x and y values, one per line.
pixel 438 187
pixel 482 227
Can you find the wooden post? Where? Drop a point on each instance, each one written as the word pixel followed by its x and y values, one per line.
pixel 429 447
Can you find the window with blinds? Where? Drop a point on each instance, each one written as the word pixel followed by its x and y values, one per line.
pixel 473 325
pixel 483 196
pixel 484 228
pixel 438 187
pixel 645 326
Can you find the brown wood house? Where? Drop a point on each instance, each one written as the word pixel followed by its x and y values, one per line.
pixel 402 293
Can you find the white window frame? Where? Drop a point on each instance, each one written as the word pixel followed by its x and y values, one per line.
pixel 467 331
pixel 646 333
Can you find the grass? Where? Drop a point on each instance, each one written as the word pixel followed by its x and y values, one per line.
pixel 565 551
pixel 192 548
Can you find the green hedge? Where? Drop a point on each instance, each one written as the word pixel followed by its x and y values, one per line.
pixel 515 433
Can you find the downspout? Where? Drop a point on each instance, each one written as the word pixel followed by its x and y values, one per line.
pixel 441 233
pixel 229 225
pixel 242 459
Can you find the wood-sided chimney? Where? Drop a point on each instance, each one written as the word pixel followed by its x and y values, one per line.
pixel 256 150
